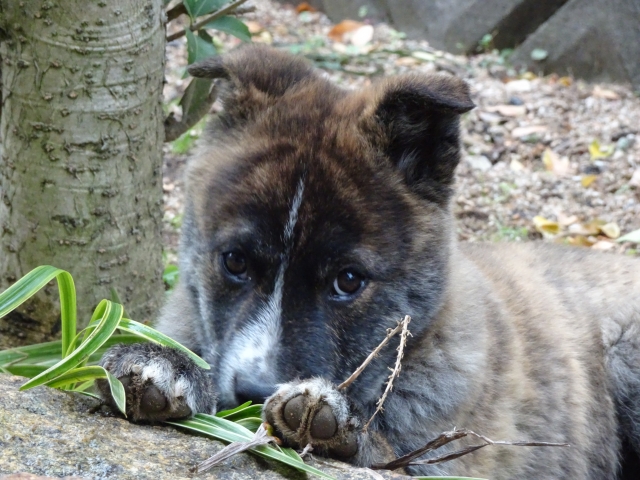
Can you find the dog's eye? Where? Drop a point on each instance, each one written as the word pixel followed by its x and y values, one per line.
pixel 347 283
pixel 235 263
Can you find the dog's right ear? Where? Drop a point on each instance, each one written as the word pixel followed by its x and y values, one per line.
pixel 258 75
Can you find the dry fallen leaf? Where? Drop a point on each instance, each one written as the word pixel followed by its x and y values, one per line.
pixel 581 241
pixel 508 110
pixel 611 230
pixel 565 81
pixel 361 36
pixel 406 61
pixel 565 221
pixel 338 32
pixel 546 227
pixel 520 132
pixel 603 245
pixel 254 27
pixel 600 151
pixel 555 164
pixel 585 229
pixel 516 165
pixel 305 7
pixel 605 93
pixel 587 180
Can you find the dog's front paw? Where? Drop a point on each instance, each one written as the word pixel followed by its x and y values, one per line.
pixel 314 412
pixel 160 382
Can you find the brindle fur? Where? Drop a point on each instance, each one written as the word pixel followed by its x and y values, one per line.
pixel 513 341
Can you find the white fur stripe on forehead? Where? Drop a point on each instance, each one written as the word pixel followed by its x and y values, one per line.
pixel 252 352
pixel 293 216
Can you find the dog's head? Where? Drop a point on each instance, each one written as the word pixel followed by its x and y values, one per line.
pixel 316 218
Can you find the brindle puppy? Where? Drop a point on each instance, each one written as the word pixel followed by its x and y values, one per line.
pixel 315 219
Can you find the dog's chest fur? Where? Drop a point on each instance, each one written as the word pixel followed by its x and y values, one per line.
pixel 307 185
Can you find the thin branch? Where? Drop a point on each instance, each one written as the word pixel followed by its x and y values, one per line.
pixel 448 437
pixel 396 370
pixel 306 450
pixel 174 128
pixel 217 14
pixel 261 437
pixel 372 355
pixel 244 10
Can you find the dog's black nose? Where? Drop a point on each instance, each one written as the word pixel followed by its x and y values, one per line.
pixel 252 389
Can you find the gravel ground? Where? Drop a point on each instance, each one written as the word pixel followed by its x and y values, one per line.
pixel 545 157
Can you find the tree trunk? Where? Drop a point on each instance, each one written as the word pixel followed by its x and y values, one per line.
pixel 80 174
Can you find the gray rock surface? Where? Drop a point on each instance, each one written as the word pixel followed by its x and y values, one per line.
pixel 49 433
pixel 590 39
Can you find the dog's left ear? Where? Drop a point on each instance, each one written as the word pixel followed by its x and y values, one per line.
pixel 415 121
pixel 257 76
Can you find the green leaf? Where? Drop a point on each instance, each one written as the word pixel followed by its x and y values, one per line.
pixel 28 371
pixel 538 54
pixel 83 374
pixel 44 355
pixel 226 413
pixel 195 95
pixel 250 423
pixel 195 8
pixel 292 453
pixel 222 429
pixel 246 410
pixel 633 237
pixel 232 26
pixel 152 335
pixel 27 286
pixel 170 273
pixel 111 314
pixel 198 48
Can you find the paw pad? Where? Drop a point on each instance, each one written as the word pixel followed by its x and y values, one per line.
pixel 315 412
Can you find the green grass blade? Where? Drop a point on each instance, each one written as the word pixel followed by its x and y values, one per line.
pixel 31 283
pixel 111 314
pixel 152 335
pixel 83 374
pixel 117 392
pixel 28 371
pixel 48 354
pixel 250 423
pixel 292 453
pixel 76 375
pixel 88 394
pixel 222 429
pixel 243 411
pixel 83 386
pixel 226 413
pixel 67 292
pixel 215 431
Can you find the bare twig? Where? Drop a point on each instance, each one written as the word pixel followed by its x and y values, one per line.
pixel 243 10
pixel 396 369
pixel 217 14
pixel 261 437
pixel 448 437
pixel 372 355
pixel 306 450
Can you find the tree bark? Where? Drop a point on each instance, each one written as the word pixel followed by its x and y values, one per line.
pixel 80 174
